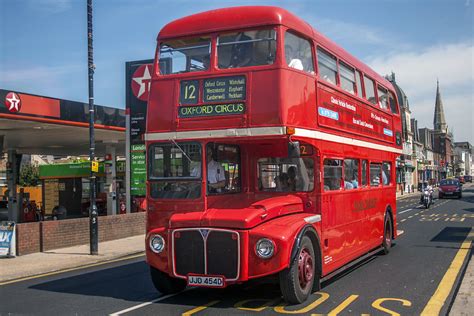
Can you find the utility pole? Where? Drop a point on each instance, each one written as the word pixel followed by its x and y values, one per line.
pixel 93 227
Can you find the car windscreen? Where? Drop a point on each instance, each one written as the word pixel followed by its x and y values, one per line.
pixel 449 182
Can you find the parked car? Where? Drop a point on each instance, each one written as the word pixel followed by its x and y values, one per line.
pixel 450 187
pixel 467 178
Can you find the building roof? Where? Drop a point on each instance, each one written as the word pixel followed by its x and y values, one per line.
pixel 402 98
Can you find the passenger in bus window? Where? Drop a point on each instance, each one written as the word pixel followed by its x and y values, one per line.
pixel 281 182
pixel 291 58
pixel 241 52
pixel 292 178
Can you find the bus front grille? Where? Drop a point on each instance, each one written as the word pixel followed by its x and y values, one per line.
pixel 206 251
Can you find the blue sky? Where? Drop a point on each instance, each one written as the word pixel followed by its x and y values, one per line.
pixel 43 45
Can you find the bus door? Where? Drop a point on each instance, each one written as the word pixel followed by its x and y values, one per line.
pixel 336 216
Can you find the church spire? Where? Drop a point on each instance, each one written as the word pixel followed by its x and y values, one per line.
pixel 439 121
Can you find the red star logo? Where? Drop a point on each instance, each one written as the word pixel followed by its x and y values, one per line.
pixel 141 81
pixel 13 102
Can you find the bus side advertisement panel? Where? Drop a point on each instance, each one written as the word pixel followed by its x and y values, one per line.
pixel 339 112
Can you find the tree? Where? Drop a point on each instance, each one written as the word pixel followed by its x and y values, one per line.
pixel 29 175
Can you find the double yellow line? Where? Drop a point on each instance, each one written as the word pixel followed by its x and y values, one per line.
pixel 436 303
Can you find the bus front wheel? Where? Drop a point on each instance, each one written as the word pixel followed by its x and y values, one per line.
pixel 166 284
pixel 387 235
pixel 296 282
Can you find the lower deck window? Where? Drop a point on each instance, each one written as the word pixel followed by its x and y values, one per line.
pixel 286 174
pixel 332 174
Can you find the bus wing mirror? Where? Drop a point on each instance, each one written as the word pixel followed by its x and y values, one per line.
pixel 294 150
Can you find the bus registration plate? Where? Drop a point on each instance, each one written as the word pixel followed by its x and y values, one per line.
pixel 206 281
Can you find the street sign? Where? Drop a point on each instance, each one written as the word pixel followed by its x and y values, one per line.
pixel 95 166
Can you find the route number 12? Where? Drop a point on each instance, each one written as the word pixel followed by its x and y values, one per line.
pixel 189 92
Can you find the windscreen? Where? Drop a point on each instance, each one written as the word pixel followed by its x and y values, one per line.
pixel 175 170
pixel 185 55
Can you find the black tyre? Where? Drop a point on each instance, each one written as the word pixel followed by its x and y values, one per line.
pixel 166 284
pixel 387 235
pixel 302 277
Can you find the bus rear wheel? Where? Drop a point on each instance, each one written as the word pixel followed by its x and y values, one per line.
pixel 166 284
pixel 296 282
pixel 387 235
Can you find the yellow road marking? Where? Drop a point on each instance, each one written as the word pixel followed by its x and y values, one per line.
pixel 445 286
pixel 71 269
pixel 200 308
pixel 281 308
pixel 343 305
pixel 377 304
pixel 266 302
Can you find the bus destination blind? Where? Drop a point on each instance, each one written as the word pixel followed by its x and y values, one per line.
pixel 223 90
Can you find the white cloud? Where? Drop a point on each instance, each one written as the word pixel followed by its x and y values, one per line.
pixel 417 72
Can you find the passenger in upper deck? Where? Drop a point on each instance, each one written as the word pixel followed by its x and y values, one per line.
pixel 241 52
pixel 291 59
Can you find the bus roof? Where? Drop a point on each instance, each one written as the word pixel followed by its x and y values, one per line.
pixel 254 16
pixel 233 18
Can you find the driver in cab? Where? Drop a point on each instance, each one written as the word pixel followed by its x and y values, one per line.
pixel 215 173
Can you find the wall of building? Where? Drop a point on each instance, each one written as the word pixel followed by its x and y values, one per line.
pixel 48 235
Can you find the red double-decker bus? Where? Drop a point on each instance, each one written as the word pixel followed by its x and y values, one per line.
pixel 271 151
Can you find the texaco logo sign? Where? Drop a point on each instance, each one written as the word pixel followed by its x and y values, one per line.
pixel 141 81
pixel 13 102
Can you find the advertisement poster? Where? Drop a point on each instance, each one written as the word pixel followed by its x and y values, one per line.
pixel 138 170
pixel 7 239
pixel 138 79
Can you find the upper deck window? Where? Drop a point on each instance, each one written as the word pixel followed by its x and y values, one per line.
pixel 185 55
pixel 383 102
pixel 393 104
pixel 298 53
pixel 244 49
pixel 359 84
pixel 369 90
pixel 347 78
pixel 327 66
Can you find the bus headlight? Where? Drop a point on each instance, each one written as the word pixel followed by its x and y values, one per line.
pixel 265 248
pixel 157 243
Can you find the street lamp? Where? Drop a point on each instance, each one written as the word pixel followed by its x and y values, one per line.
pixel 93 226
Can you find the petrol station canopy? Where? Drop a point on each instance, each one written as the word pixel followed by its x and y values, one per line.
pixel 32 124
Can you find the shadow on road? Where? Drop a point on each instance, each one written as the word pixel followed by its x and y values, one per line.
pixel 452 234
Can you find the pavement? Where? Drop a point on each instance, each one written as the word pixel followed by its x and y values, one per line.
pixel 74 258
pixel 66 259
